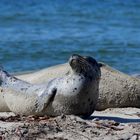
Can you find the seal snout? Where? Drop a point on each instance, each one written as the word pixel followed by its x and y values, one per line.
pixel 75 59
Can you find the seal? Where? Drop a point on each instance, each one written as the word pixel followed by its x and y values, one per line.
pixel 116 89
pixel 74 93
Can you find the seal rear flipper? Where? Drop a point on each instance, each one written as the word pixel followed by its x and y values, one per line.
pixel 1 68
pixel 12 83
pixel 3 75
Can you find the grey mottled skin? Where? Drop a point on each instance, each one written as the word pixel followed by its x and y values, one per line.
pixel 23 97
pixel 116 89
pixel 72 93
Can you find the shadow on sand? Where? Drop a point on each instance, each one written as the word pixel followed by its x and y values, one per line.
pixel 117 119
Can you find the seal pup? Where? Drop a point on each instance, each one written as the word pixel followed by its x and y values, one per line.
pixel 74 93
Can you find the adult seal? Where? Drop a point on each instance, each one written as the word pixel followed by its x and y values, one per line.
pixel 74 93
pixel 116 89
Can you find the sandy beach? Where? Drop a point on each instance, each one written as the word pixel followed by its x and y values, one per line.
pixel 36 37
pixel 111 124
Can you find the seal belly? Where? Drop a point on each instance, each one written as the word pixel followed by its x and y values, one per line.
pixel 20 104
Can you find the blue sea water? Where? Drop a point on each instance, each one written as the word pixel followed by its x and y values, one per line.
pixel 39 33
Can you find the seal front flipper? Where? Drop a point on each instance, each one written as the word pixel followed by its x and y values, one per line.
pixel 45 99
pixel 50 98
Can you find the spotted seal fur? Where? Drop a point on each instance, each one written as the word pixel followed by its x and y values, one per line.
pixel 74 93
pixel 116 89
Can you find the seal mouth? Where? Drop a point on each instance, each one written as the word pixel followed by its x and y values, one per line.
pixel 86 65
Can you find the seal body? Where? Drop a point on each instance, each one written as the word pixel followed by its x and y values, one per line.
pixel 116 89
pixel 73 93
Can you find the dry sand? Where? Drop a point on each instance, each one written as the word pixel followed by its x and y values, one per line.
pixel 111 124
